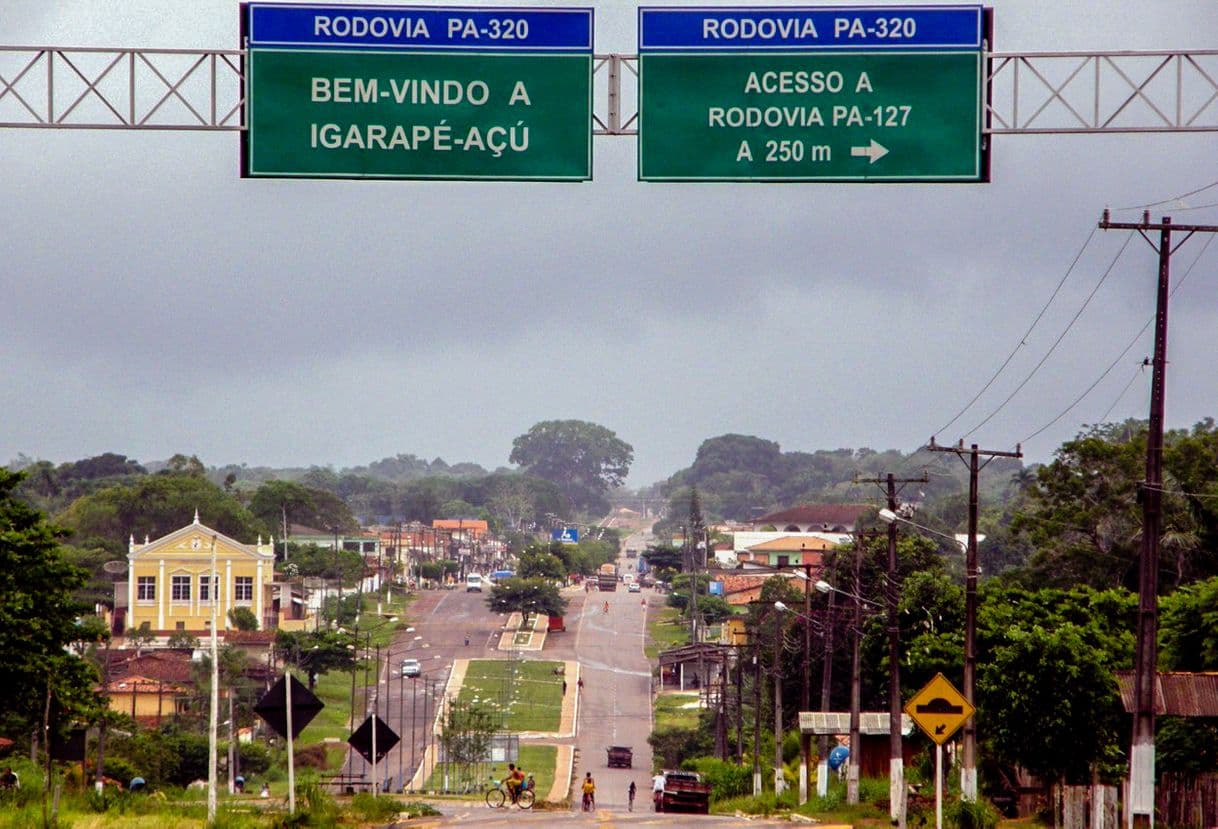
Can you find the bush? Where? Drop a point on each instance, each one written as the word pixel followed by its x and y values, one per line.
pixel 418 809
pixel 378 809
pixel 964 814
pixel 311 757
pixel 255 758
pixel 726 779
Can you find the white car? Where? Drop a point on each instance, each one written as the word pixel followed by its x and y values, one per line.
pixel 633 587
pixel 411 667
pixel 473 583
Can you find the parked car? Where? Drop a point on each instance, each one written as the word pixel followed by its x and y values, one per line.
pixel 411 667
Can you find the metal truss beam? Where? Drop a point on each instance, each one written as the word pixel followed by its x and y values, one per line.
pixel 1102 92
pixel 52 87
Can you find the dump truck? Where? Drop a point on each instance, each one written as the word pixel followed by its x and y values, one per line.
pixel 606 579
pixel 683 791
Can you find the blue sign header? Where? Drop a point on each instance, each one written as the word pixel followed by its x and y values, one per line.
pixel 567 535
pixel 813 28
pixel 413 28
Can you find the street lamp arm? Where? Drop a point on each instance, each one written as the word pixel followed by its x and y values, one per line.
pixel 890 517
pixel 825 587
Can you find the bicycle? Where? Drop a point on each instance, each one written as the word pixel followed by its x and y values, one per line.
pixel 497 797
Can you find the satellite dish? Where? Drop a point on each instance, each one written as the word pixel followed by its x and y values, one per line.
pixel 115 567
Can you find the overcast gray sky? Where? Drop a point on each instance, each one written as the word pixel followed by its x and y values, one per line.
pixel 154 302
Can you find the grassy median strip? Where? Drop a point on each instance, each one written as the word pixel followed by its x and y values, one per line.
pixel 529 691
pixel 538 760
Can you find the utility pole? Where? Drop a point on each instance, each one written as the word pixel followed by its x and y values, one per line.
pixel 778 648
pixel 757 716
pixel 856 680
pixel 826 686
pixel 892 594
pixel 968 766
pixel 805 688
pixel 1142 752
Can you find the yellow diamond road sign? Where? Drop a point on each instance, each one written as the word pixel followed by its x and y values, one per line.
pixel 939 709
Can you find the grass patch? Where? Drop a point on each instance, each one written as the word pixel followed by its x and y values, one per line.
pixel 537 760
pixel 670 712
pixel 665 630
pixel 529 691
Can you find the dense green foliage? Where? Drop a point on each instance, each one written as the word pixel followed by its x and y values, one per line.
pixel 38 622
pixel 526 595
pixel 585 459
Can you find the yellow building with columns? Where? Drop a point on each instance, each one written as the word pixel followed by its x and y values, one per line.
pixel 170 580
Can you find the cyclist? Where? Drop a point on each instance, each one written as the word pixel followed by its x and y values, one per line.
pixel 589 789
pixel 606 607
pixel 513 782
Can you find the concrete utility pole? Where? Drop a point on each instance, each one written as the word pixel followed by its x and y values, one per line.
pixel 779 782
pixel 892 595
pixel 968 766
pixel 856 679
pixel 826 687
pixel 1141 809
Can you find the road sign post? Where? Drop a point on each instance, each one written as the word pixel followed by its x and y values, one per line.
pixel 811 94
pixel 417 93
pixel 939 710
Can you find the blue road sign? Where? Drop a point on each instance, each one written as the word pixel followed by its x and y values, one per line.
pixel 567 535
pixel 829 28
pixel 413 28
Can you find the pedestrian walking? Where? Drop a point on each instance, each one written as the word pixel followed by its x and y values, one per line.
pixel 630 797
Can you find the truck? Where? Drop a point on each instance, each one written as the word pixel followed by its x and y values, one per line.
pixel 606 578
pixel 683 791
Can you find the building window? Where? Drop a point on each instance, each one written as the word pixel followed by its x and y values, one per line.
pixel 179 588
pixel 243 590
pixel 205 588
pixel 145 589
pixel 181 626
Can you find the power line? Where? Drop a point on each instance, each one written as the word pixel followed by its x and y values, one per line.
pixel 1136 373
pixel 1024 339
pixel 1056 342
pixel 1169 200
pixel 1125 351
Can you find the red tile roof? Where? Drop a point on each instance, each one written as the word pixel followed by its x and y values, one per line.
pixel 162 665
pixel 833 515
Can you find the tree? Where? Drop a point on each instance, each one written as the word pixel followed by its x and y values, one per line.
pixel 317 652
pixel 38 618
pixel 156 505
pixel 1057 682
pixel 544 565
pixel 587 460
pixel 243 618
pixel 527 596
pixel 302 505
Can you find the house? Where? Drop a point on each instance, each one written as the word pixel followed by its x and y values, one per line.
pixel 150 686
pixel 366 543
pixel 787 551
pixel 829 518
pixel 741 587
pixel 169 581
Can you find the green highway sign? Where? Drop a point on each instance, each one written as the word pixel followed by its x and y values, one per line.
pixel 418 93
pixel 816 94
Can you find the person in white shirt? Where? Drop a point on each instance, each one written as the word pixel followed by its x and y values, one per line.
pixel 657 789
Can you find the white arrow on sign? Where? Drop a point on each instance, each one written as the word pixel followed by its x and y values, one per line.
pixel 875 151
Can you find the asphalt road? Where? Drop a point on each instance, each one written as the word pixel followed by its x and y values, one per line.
pixel 614 706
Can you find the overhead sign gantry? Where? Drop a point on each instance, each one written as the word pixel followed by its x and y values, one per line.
pixel 417 92
pixel 812 94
